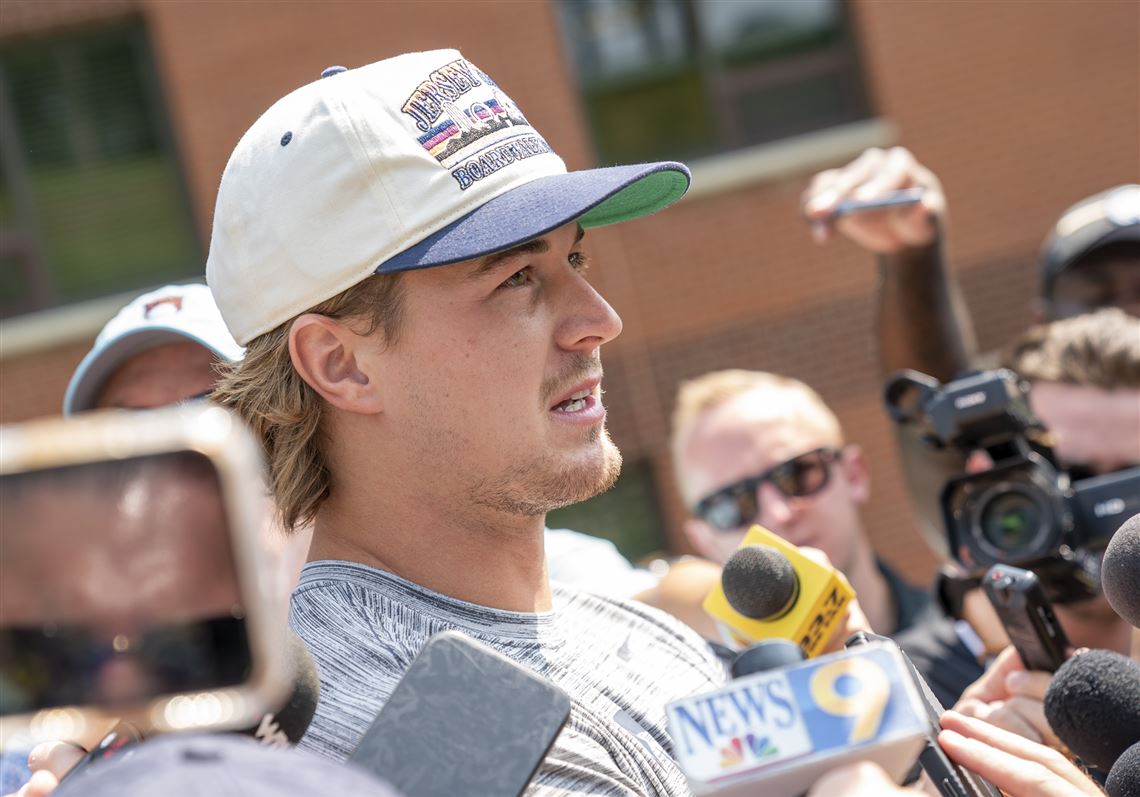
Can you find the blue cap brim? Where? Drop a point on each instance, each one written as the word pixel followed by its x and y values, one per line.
pixel 594 197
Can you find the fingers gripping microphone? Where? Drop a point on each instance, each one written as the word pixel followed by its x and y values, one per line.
pixel 1093 705
pixel 770 590
pixel 1120 572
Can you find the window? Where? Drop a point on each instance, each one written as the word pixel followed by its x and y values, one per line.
pixel 684 78
pixel 91 197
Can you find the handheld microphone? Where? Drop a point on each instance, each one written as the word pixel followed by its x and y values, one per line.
pixel 1124 778
pixel 1093 705
pixel 770 590
pixel 221 764
pixel 783 728
pixel 286 726
pixel 1120 571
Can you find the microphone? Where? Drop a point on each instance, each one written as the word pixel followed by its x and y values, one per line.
pixel 286 726
pixel 1120 571
pixel 1124 778
pixel 1093 705
pixel 770 590
pixel 782 729
pixel 221 764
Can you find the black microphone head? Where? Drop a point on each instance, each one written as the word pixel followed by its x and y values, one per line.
pixel 759 582
pixel 1120 571
pixel 1124 778
pixel 288 724
pixel 1093 705
pixel 767 654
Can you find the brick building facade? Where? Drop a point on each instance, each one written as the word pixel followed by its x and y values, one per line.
pixel 1021 108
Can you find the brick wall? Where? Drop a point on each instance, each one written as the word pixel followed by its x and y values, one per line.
pixel 1021 108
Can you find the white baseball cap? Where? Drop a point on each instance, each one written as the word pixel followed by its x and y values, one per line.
pixel 170 314
pixel 415 161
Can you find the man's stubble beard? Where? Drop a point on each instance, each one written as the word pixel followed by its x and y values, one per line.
pixel 541 486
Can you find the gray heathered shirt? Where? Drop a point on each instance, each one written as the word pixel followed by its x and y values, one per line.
pixel 619 661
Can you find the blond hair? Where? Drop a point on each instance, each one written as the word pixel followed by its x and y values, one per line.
pixel 285 413
pixel 696 397
pixel 1100 349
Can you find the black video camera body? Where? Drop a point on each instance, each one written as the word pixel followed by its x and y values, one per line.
pixel 1026 510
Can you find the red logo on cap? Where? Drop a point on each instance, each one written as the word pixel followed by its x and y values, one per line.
pixel 150 306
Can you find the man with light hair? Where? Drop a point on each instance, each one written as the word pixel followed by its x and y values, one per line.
pixel 422 368
pixel 753 447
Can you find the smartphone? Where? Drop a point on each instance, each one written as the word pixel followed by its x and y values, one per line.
pixel 949 778
pixel 133 585
pixel 464 719
pixel 1020 602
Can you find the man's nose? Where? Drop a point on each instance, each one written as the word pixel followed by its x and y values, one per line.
pixel 776 509
pixel 590 321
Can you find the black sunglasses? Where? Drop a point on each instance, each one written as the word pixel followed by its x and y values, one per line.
pixel 738 504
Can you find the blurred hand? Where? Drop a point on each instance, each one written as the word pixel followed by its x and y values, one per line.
pixel 49 762
pixel 873 174
pixel 854 620
pixel 1011 697
pixel 1018 767
pixel 863 779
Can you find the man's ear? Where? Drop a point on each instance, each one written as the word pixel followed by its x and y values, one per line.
pixel 329 357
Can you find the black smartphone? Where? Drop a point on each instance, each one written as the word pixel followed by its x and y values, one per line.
pixel 1020 602
pixel 464 719
pixel 950 779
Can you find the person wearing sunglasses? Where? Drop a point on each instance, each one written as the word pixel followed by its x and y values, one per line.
pixel 751 447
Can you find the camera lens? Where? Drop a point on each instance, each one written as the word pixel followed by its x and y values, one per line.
pixel 1011 521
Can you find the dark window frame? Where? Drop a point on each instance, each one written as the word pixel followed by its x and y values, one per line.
pixel 22 237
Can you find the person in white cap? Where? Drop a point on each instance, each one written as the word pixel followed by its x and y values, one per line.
pixel 402 255
pixel 161 348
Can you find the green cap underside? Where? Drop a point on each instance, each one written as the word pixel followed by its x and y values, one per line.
pixel 650 194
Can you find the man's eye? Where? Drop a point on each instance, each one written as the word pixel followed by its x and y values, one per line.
pixel 579 261
pixel 518 279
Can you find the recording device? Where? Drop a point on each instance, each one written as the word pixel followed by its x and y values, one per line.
pixel 1026 510
pixel 770 590
pixel 949 778
pixel 464 719
pixel 1027 616
pixel 1124 777
pixel 1093 705
pixel 1120 571
pixel 775 732
pixel 133 584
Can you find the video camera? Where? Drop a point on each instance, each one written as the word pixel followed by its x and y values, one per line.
pixel 1026 510
pixel 134 584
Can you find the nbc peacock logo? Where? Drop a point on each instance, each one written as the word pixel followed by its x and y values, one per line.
pixel 747 748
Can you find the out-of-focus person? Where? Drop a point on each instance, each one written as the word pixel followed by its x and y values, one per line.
pixel 752 447
pixel 1090 259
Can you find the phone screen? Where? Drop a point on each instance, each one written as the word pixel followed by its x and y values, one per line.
pixel 117 584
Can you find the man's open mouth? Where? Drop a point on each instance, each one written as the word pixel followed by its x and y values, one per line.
pixel 575 402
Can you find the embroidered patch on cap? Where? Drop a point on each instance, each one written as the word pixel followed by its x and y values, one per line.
pixel 469 124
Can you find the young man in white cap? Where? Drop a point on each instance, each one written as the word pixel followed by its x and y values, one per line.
pixel 402 255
